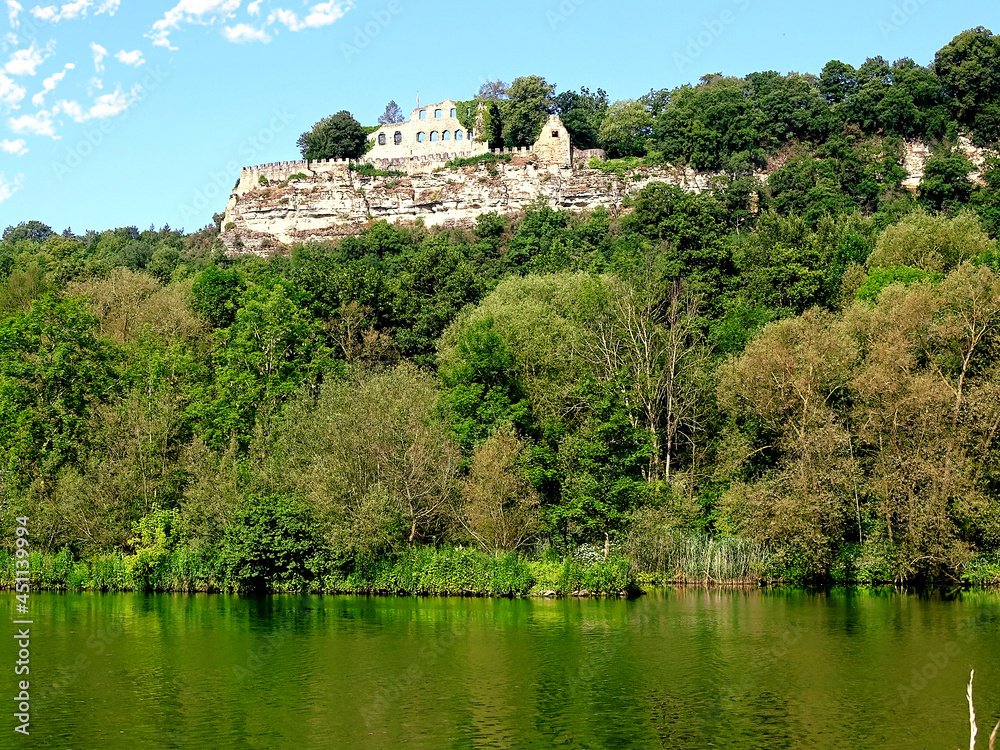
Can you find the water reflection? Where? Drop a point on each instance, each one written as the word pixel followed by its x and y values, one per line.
pixel 679 668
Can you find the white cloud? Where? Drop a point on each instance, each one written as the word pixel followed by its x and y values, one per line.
pixel 50 83
pixel 200 12
pixel 9 187
pixel 99 54
pixel 18 147
pixel 106 105
pixel 72 10
pixel 254 8
pixel 133 58
pixel 24 61
pixel 243 33
pixel 10 92
pixel 13 8
pixel 321 14
pixel 36 124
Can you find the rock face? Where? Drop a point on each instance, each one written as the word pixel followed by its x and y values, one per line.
pixel 332 201
pixel 337 203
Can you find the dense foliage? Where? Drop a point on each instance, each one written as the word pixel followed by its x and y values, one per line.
pixel 338 136
pixel 796 381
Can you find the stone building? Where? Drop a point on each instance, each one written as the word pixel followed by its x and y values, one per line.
pixel 431 129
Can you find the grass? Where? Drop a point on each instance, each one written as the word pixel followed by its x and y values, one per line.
pixel 473 161
pixel 369 170
pixel 451 571
pixel 671 556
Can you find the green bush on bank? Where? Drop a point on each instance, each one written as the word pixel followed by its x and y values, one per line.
pixel 451 571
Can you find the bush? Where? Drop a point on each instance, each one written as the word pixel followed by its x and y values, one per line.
pixel 473 161
pixel 271 545
pixel 369 170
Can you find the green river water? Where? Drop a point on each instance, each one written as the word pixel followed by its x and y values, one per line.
pixel 677 668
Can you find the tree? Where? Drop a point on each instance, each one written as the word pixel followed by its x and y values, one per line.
pixel 626 129
pixel 35 231
pixel 946 179
pixel 529 103
pixel 838 81
pixel 339 136
pixel 392 115
pixel 582 114
pixel 53 371
pixel 492 91
pixel 499 507
pixel 969 68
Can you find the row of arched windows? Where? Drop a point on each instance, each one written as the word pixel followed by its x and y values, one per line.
pixel 444 135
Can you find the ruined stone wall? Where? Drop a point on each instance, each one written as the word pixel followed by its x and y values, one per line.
pixel 282 170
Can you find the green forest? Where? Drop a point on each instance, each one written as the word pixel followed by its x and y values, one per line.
pixel 793 381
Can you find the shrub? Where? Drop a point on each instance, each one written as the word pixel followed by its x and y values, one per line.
pixel 271 544
pixel 369 170
pixel 473 161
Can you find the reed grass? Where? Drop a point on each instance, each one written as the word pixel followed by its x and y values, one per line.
pixel 673 556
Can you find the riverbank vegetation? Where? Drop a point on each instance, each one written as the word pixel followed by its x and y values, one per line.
pixel 795 381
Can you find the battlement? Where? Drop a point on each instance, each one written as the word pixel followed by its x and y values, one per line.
pixel 551 149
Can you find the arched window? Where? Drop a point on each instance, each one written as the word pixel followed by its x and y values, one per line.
pixel 420 137
pixel 437 114
pixel 423 114
pixel 398 138
pixel 470 134
pixel 381 139
pixel 454 112
pixel 446 136
pixel 458 135
pixel 434 135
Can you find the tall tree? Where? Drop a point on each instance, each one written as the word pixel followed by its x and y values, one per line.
pixel 338 136
pixel 529 103
pixel 392 115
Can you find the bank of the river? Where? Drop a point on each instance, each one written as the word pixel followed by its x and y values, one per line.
pixel 447 571
pixel 451 571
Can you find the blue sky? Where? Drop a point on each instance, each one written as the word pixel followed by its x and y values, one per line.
pixel 116 113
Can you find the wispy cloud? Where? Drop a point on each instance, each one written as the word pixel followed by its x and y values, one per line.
pixel 99 54
pixel 40 123
pixel 10 92
pixel 73 10
pixel 104 106
pixel 9 187
pixel 319 15
pixel 243 33
pixel 201 12
pixel 133 58
pixel 254 8
pixel 13 8
pixel 24 61
pixel 50 83
pixel 17 148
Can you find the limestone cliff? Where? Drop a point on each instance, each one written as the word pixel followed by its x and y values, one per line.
pixel 333 201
